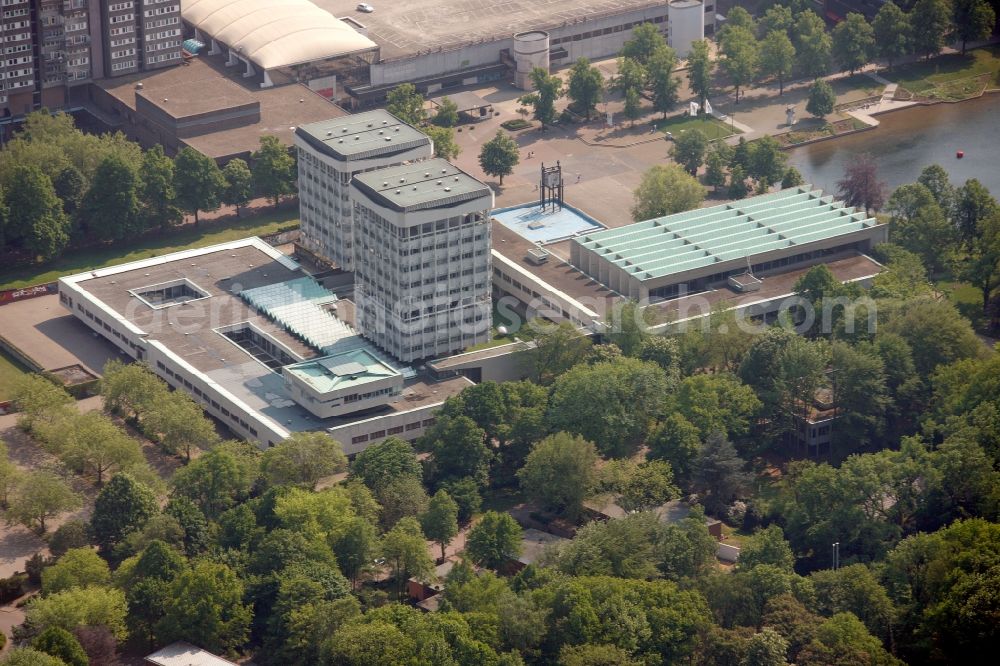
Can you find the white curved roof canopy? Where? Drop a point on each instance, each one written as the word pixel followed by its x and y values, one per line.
pixel 275 33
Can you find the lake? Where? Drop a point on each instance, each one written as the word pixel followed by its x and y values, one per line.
pixel 908 140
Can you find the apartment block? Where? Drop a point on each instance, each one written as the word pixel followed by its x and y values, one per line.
pixel 48 47
pixel 333 151
pixel 422 259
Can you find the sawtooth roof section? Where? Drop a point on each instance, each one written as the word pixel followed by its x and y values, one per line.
pixel 705 236
pixel 275 33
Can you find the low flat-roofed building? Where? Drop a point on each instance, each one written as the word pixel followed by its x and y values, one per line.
pixel 534 543
pixel 222 322
pixel 342 383
pixel 200 105
pixel 185 654
pixel 692 251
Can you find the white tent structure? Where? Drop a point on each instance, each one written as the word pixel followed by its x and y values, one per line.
pixel 272 34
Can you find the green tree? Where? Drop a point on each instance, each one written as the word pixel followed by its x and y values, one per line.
pixel 40 496
pixel 972 204
pixel 935 179
pixel 560 472
pixel 891 29
pixel 931 21
pixel 813 45
pixel 700 68
pixel 204 605
pixel 792 178
pixel 458 449
pixel 689 150
pixel 403 497
pixel 740 56
pixel 973 19
pixel 860 395
pixel 738 18
pixel 35 219
pixel 73 533
pixel 406 551
pixel 853 42
pixel 130 389
pixel 465 492
pixel 767 162
pixel 440 521
pixel 446 114
pixel 777 57
pixel 718 473
pixel 613 404
pixel 715 170
pixel 558 347
pixel 766 546
pixel 677 441
pixel 39 400
pixel 61 644
pixel 123 506
pixel 406 103
pixel 854 589
pixel 822 99
pixel 91 443
pixel 919 225
pixel 662 82
pixel 633 105
pixel 179 424
pixel 766 648
pixel 585 86
pixel 777 17
pixel 499 156
pixel 27 656
pixel 982 267
pixel 303 459
pixel 198 182
pixel 381 463
pixel 70 187
pixel 935 331
pixel 111 206
pixel 218 479
pixel 80 567
pixel 738 188
pixel 494 540
pixel 717 402
pixel 79 607
pixel 373 642
pixel 156 191
pixel 547 90
pixel 444 141
pixel 843 639
pixel 640 487
pixel 356 548
pixel 239 184
pixel 645 41
pixel 665 190
pixel 273 169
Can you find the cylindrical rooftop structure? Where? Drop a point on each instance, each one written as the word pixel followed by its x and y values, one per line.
pixel 531 49
pixel 686 20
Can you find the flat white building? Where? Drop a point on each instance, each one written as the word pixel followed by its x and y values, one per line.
pixel 330 153
pixel 422 260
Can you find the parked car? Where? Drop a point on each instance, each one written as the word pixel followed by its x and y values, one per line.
pixel 366 8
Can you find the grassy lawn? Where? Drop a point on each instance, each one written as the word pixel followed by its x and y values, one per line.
pixel 853 88
pixel 798 136
pixel 498 320
pixel 712 127
pixel 951 76
pixel 967 299
pixel 75 261
pixel 10 371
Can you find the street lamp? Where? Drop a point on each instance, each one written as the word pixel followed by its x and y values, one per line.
pixel 836 555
